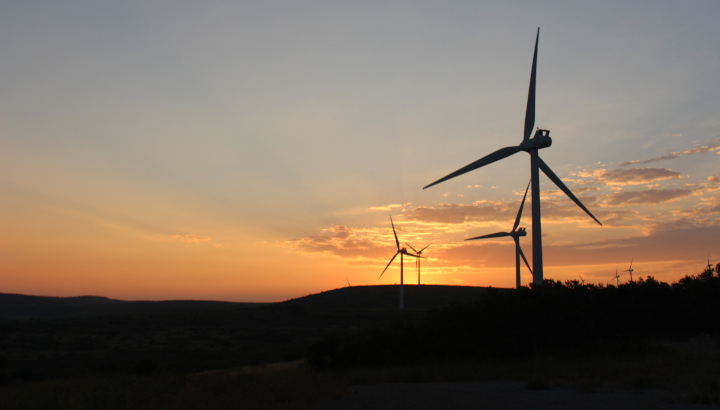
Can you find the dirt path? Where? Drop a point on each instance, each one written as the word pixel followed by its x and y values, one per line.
pixel 505 395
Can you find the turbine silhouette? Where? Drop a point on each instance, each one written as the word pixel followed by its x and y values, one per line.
pixel 401 252
pixel 540 140
pixel 515 233
pixel 583 280
pixel 617 277
pixel 630 269
pixel 709 265
pixel 419 256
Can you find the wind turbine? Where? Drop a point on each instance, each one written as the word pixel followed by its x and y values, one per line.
pixel 540 140
pixel 630 270
pixel 709 265
pixel 515 234
pixel 583 280
pixel 401 252
pixel 419 256
pixel 617 277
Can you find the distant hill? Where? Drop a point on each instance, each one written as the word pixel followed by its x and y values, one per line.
pixel 387 297
pixel 354 298
pixel 27 306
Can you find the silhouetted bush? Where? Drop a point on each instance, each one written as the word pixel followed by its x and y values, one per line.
pixel 537 320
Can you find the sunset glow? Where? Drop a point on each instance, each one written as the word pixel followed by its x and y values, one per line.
pixel 251 152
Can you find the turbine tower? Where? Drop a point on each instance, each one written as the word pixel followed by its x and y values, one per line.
pixel 540 140
pixel 630 270
pixel 515 233
pixel 419 256
pixel 401 252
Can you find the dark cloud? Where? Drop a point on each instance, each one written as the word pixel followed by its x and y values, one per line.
pixel 648 196
pixel 637 176
pixel 673 155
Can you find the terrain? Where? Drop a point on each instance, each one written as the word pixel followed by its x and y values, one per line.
pixel 644 344
pixel 47 337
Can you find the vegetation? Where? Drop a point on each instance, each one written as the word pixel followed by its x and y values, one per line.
pixel 645 334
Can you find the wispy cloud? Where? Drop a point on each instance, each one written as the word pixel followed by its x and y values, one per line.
pixel 637 176
pixel 648 196
pixel 189 238
pixel 673 155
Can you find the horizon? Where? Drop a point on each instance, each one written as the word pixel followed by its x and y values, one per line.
pixel 254 153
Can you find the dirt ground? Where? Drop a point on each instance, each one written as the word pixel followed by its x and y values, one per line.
pixel 504 395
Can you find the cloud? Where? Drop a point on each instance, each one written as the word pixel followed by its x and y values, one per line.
pixel 386 207
pixel 345 242
pixel 673 155
pixel 648 196
pixel 637 176
pixel 481 211
pixel 189 238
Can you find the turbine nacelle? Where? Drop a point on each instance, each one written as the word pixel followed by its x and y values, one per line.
pixel 520 232
pixel 540 140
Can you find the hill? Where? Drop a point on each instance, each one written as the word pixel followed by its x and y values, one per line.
pixel 26 306
pixel 56 337
pixel 387 297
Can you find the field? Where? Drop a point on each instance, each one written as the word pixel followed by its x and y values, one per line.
pixel 100 353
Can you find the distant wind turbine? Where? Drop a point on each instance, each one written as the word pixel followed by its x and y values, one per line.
pixel 709 265
pixel 540 140
pixel 515 233
pixel 419 256
pixel 630 269
pixel 617 277
pixel 401 252
pixel 581 279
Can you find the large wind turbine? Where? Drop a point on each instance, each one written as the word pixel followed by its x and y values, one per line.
pixel 515 234
pixel 419 256
pixel 540 140
pixel 617 277
pixel 401 252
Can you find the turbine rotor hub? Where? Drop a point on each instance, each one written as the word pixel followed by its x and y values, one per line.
pixel 540 140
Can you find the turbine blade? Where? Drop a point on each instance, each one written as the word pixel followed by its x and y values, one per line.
pixel 411 247
pixel 631 261
pixel 388 265
pixel 522 204
pixel 488 159
pixel 492 235
pixel 424 248
pixel 530 110
pixel 554 178
pixel 397 243
pixel 523 256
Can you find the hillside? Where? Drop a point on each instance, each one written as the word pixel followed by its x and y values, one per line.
pixel 15 306
pixel 55 337
pixel 387 297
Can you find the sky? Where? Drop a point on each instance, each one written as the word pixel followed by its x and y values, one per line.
pixel 255 151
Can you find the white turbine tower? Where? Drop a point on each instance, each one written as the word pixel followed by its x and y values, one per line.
pixel 401 252
pixel 515 233
pixel 540 140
